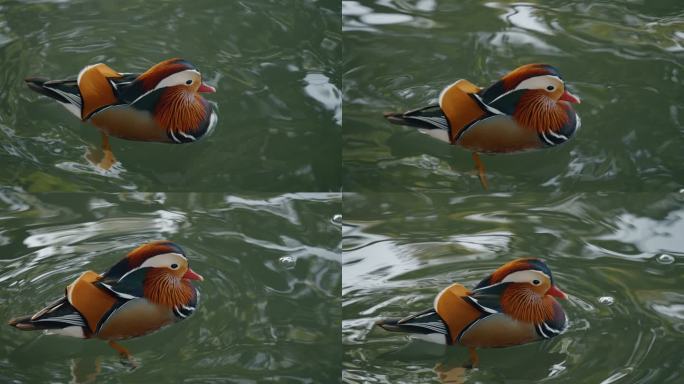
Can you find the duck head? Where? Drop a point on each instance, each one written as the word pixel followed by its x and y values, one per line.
pixel 542 79
pixel 161 270
pixel 535 95
pixel 174 73
pixel 528 289
pixel 172 93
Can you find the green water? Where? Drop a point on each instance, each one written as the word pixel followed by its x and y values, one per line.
pixel 258 318
pixel 274 65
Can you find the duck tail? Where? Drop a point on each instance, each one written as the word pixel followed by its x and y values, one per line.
pixel 397 118
pixel 57 315
pixel 24 323
pixel 38 84
pixel 392 325
pixel 430 117
pixel 425 322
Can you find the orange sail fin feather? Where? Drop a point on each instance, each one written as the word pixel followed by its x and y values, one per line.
pixel 96 91
pixel 460 109
pixel 91 301
pixel 466 86
pixel 453 310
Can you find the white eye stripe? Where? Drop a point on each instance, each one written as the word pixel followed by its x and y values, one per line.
pixel 526 276
pixel 178 78
pixel 539 82
pixel 163 260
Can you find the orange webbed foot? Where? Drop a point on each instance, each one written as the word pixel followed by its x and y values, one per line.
pixel 481 171
pixel 106 159
pixel 126 356
pixel 123 352
pixel 474 359
pixel 450 374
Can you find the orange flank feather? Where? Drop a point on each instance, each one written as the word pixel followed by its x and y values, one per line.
pixel 161 288
pixel 179 110
pixel 538 112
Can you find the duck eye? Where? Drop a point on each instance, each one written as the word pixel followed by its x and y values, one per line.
pixel 188 82
pixel 174 266
pixel 536 282
pixel 550 88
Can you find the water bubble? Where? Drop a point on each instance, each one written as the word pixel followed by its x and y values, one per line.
pixel 288 262
pixel 606 300
pixel 337 219
pixel 665 259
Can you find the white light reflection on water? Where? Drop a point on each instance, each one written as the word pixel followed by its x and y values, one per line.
pixel 166 222
pixel 318 86
pixel 649 235
pixel 353 8
pixel 386 18
pixel 522 16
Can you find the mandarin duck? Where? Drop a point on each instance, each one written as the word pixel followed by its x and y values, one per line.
pixel 514 305
pixel 149 289
pixel 163 104
pixel 529 108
